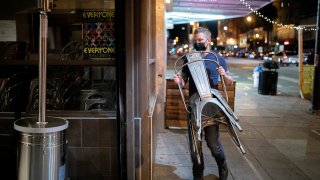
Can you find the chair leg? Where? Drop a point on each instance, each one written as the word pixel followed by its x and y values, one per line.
pixel 234 136
pixel 194 143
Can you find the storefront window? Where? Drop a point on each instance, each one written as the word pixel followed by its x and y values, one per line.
pixel 80 59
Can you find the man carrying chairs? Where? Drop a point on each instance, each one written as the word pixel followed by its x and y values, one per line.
pixel 206 107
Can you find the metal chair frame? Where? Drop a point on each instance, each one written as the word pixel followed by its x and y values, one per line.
pixel 206 95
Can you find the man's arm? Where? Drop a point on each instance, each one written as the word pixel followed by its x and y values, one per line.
pixel 182 76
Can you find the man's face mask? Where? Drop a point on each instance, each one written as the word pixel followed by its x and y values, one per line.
pixel 200 46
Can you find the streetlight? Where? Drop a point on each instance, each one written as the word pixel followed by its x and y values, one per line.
pixel 249 18
pixel 250 34
pixel 225 28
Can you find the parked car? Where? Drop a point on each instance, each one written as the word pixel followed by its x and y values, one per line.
pixel 252 55
pixel 286 58
pixel 267 55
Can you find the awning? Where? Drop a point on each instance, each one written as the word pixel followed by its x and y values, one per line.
pixel 185 11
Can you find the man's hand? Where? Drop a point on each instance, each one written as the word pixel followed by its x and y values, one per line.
pixel 221 71
pixel 178 79
pixel 228 79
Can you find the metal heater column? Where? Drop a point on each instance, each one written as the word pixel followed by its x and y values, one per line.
pixel 42 142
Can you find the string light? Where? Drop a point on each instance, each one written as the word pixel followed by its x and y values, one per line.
pixel 274 22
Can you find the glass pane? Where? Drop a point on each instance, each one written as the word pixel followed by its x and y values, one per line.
pixel 80 59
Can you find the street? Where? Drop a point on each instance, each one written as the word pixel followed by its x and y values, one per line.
pixel 242 71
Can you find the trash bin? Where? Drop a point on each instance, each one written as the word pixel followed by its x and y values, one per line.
pixel 42 149
pixel 268 78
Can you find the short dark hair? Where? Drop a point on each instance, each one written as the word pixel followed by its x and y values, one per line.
pixel 203 30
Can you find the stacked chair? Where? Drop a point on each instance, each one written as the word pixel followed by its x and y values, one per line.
pixel 207 103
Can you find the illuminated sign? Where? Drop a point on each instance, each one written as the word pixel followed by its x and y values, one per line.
pixel 98 34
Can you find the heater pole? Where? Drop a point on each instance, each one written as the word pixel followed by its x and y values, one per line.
pixel 43 7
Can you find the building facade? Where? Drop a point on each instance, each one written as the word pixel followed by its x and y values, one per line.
pixel 106 62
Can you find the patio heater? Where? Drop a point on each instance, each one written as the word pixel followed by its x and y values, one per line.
pixel 42 142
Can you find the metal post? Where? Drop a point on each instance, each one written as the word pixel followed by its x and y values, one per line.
pixel 315 93
pixel 42 66
pixel 43 7
pixel 300 49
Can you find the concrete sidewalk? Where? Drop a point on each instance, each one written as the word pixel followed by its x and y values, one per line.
pixel 280 136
